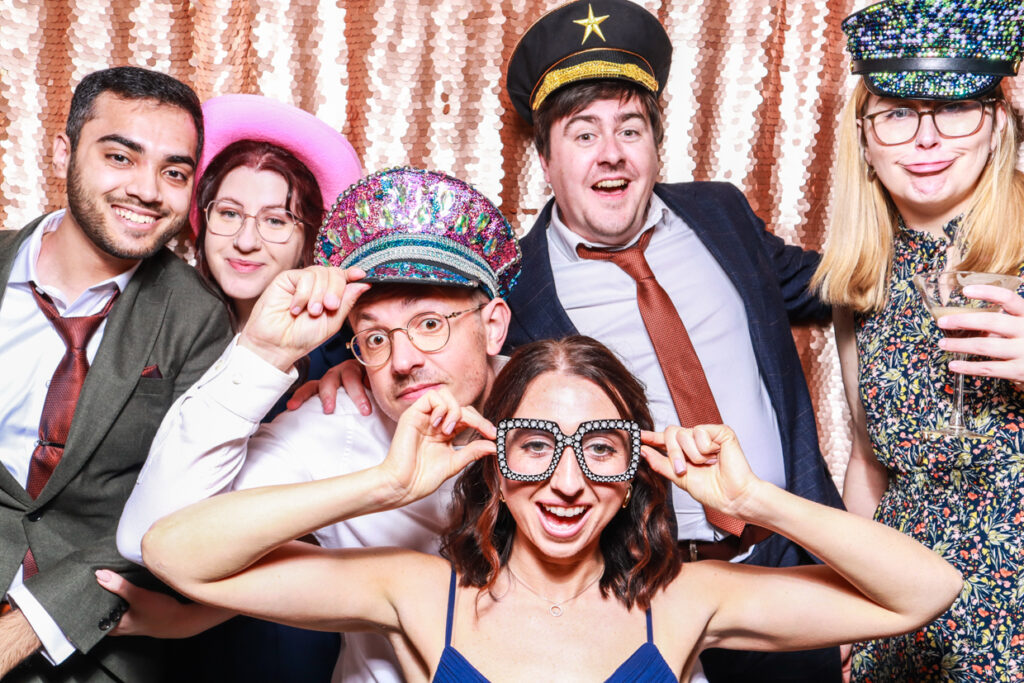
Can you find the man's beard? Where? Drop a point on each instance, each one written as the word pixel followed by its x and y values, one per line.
pixel 90 217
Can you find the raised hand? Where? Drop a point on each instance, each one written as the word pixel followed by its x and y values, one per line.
pixel 1000 336
pixel 706 462
pixel 422 454
pixel 300 310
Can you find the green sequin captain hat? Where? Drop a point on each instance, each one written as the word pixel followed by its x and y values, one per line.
pixel 935 49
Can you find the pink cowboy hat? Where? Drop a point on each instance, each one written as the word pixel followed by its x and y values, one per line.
pixel 323 150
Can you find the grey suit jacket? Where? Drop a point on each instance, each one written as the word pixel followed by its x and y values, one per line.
pixel 165 317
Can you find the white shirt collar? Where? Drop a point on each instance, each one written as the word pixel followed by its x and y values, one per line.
pixel 565 240
pixel 23 269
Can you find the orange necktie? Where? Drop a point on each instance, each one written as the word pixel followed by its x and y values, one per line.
pixel 691 395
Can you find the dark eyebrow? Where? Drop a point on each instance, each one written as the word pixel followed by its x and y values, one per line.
pixel 138 149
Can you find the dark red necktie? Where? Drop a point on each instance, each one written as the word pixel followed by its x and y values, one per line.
pixel 687 383
pixel 61 397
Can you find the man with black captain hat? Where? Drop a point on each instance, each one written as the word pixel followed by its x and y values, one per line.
pixel 682 280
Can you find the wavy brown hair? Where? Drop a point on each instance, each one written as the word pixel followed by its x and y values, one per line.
pixel 638 545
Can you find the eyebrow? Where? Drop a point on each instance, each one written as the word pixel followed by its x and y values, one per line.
pixel 590 118
pixel 139 149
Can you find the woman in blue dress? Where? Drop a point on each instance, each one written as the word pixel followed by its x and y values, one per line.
pixel 927 182
pixel 561 561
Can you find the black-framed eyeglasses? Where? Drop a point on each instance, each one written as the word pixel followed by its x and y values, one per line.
pixel 530 450
pixel 226 218
pixel 952 120
pixel 428 332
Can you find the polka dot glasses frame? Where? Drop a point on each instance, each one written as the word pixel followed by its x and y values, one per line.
pixel 612 447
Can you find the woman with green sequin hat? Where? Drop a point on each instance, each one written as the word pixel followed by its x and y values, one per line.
pixel 926 180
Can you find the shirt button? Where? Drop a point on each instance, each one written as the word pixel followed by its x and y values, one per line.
pixel 35 516
pixel 236 379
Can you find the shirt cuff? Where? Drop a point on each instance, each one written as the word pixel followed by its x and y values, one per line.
pixel 243 383
pixel 56 646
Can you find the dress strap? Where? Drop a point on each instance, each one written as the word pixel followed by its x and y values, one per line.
pixel 650 627
pixel 451 611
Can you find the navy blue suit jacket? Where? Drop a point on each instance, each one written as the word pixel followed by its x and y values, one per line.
pixel 771 278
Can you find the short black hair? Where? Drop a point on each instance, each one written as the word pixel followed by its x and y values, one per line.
pixel 576 97
pixel 132 83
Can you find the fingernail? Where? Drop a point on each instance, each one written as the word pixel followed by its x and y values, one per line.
pixel 942 343
pixel 102 575
pixel 296 310
pixel 316 309
pixel 437 421
pixel 679 465
pixel 449 428
pixel 332 301
pixel 364 408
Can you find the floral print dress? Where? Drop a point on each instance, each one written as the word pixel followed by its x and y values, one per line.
pixel 960 497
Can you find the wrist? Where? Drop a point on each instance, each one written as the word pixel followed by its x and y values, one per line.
pixel 273 354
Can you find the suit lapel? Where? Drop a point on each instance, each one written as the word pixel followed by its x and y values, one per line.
pixel 10 242
pixel 128 339
pixel 536 303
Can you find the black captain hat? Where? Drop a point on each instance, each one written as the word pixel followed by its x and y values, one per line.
pixel 587 40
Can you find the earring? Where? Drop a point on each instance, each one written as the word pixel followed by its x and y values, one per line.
pixel 871 173
pixel 629 494
pixel 501 496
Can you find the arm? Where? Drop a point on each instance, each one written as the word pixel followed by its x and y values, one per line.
pixel 258 574
pixel 876 581
pixel 792 266
pixel 18 639
pixel 203 442
pixel 866 479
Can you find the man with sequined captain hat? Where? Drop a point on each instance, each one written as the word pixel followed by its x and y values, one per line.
pixel 439 257
pixel 682 280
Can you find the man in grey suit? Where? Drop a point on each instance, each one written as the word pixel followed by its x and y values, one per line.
pixel 128 154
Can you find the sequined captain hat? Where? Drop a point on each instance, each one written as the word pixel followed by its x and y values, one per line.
pixel 935 49
pixel 420 227
pixel 587 40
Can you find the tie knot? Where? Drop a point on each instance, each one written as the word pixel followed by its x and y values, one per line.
pixel 76 332
pixel 631 259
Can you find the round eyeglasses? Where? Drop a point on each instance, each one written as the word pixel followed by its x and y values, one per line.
pixel 952 120
pixel 428 332
pixel 226 218
pixel 530 450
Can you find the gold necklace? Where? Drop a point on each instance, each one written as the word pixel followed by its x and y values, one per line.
pixel 556 605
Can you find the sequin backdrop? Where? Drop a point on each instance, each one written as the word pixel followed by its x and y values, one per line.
pixel 753 98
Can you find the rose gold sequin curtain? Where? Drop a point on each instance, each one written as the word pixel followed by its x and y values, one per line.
pixel 753 98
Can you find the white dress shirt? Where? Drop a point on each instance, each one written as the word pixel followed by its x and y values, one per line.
pixel 211 441
pixel 30 350
pixel 600 300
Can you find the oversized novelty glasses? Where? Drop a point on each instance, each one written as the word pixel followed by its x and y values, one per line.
pixel 952 120
pixel 226 218
pixel 529 450
pixel 428 332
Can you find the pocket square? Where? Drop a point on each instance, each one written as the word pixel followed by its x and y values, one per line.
pixel 152 372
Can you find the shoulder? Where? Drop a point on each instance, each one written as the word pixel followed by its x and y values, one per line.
pixel 702 193
pixel 187 289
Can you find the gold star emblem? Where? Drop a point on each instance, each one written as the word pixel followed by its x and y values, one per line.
pixel 592 23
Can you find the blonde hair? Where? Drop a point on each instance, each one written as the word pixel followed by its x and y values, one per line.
pixel 857 260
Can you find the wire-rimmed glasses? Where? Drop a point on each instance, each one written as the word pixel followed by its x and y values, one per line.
pixel 226 218
pixel 530 449
pixel 428 332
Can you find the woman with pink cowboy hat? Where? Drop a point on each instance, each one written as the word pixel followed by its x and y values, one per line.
pixel 267 175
